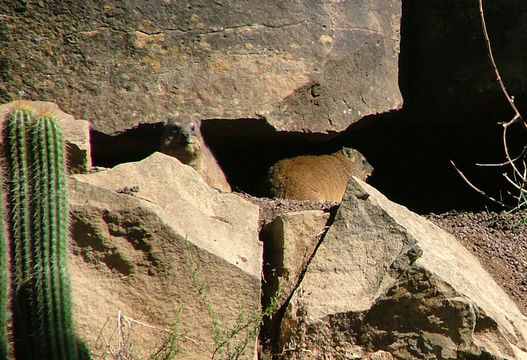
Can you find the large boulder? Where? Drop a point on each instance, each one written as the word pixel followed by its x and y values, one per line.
pixel 76 132
pixel 314 66
pixel 154 246
pixel 385 279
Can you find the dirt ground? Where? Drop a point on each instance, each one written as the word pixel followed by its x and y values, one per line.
pixel 498 240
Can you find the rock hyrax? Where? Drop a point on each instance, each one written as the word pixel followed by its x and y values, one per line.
pixel 182 139
pixel 317 177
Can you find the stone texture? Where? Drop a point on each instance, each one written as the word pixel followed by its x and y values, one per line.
pixel 290 241
pixel 314 66
pixel 76 132
pixel 146 237
pixel 386 279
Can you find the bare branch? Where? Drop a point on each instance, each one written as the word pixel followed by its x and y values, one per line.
pixel 521 155
pixel 520 182
pixel 517 115
pixel 506 149
pixel 518 187
pixel 477 189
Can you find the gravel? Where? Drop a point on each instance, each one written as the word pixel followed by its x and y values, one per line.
pixel 499 241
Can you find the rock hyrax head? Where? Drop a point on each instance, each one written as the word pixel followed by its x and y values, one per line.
pixel 361 167
pixel 182 138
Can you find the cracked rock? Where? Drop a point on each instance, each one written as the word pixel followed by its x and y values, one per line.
pixel 360 292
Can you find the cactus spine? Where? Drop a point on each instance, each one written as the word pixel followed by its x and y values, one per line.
pixel 4 284
pixel 38 215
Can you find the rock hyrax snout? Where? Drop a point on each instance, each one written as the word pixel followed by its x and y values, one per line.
pixel 182 139
pixel 317 177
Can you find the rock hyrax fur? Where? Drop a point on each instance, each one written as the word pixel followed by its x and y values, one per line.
pixel 182 139
pixel 317 177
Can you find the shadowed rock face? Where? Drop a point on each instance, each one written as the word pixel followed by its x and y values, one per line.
pixel 314 66
pixel 317 177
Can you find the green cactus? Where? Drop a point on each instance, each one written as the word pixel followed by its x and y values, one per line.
pixel 4 286
pixel 38 228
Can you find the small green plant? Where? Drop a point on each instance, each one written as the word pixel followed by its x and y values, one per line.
pixel 38 232
pixel 171 347
pixel 230 343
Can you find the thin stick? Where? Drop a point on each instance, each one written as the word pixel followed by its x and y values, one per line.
pixel 517 115
pixel 100 332
pixel 521 155
pixel 477 189
pixel 506 148
pixel 129 319
pixel 120 329
pixel 518 187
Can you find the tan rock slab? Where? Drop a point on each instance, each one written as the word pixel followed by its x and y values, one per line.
pixel 151 244
pixel 315 66
pixel 291 240
pixel 386 279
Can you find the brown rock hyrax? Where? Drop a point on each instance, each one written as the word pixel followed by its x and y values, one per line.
pixel 182 139
pixel 317 177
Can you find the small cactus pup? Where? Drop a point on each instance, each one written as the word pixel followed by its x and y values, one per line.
pixel 38 232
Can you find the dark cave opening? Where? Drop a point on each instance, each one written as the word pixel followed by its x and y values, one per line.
pixel 411 157
pixel 410 152
pixel 131 145
pixel 452 111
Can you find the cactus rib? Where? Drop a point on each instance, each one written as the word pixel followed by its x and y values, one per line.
pixel 38 218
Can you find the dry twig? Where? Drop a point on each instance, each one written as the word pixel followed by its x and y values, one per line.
pixel 497 202
pixel 517 115
pixel 521 179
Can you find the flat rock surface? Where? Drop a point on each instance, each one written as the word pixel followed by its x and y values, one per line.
pixel 204 215
pixel 121 63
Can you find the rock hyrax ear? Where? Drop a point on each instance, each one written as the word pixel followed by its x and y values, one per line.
pixel 361 167
pixel 348 152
